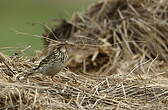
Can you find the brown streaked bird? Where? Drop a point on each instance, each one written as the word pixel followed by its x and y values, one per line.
pixel 54 62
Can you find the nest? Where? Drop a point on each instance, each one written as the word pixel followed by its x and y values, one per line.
pixel 123 64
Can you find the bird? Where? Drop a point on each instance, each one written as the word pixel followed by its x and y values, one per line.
pixel 54 62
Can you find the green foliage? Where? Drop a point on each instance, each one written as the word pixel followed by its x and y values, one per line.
pixel 21 14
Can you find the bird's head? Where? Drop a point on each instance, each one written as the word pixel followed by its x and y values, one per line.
pixel 63 49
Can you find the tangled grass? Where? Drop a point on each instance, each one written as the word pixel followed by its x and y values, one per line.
pixel 127 70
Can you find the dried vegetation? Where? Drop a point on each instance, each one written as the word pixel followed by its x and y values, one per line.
pixel 120 62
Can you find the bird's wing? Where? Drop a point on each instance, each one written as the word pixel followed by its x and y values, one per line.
pixel 54 56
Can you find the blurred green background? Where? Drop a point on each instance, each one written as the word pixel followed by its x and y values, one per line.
pixel 21 14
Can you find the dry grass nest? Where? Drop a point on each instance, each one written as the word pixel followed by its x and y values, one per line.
pixel 120 62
